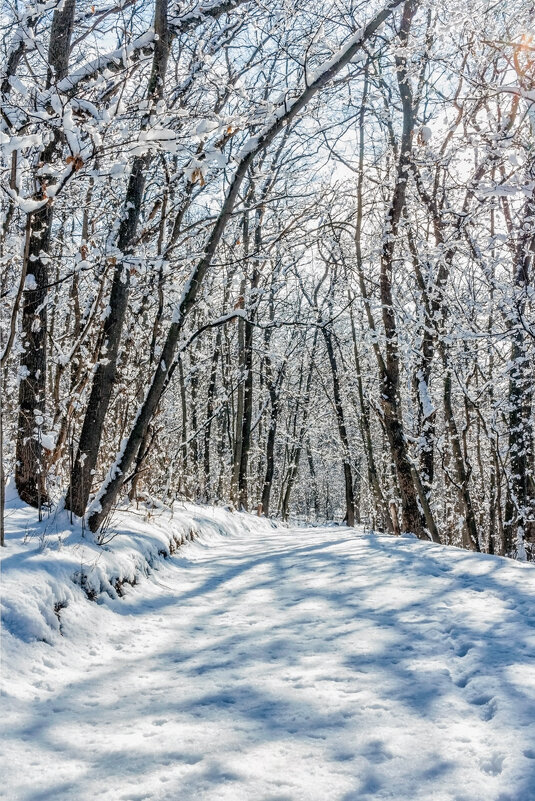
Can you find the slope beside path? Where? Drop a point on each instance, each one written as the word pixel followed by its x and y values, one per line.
pixel 282 665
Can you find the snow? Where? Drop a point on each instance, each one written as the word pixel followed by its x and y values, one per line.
pixel 18 85
pixel 425 399
pixel 426 133
pixel 162 138
pixel 98 65
pixel 8 143
pixel 262 663
pixel 26 205
pixel 48 441
pixel 353 40
pixel 250 145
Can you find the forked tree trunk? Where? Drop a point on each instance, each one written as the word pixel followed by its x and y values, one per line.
pixel 412 518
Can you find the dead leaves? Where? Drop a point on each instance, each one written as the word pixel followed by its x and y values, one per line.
pixel 197 175
pixel 76 161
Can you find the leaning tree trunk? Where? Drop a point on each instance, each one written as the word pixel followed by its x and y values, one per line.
pixel 106 370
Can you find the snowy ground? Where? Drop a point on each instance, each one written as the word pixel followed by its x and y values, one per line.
pixel 273 665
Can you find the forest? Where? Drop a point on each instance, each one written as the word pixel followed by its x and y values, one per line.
pixel 272 256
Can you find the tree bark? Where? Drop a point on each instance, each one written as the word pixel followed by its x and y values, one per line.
pixel 520 503
pixel 412 518
pixel 210 406
pixel 273 386
pixel 342 429
pixel 106 369
pixel 30 471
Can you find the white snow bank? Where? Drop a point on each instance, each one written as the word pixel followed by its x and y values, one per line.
pixel 50 564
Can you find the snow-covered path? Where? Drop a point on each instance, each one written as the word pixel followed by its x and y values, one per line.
pixel 315 665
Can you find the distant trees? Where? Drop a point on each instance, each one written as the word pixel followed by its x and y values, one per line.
pixel 254 257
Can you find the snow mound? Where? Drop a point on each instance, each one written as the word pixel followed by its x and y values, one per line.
pixel 48 565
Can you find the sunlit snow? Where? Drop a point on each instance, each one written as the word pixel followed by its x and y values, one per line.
pixel 264 664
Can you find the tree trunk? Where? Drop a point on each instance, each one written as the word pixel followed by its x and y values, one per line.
pixel 106 370
pixel 381 507
pixel 239 412
pixel 274 393
pixel 293 468
pixel 470 535
pixel 412 518
pixel 248 397
pixel 30 471
pixel 342 429
pixel 520 504
pixel 209 417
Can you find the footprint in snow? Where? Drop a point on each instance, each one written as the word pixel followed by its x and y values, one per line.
pixel 462 681
pixel 480 700
pixel 343 756
pixel 376 752
pixel 488 706
pixel 464 649
pixel 489 710
pixel 492 765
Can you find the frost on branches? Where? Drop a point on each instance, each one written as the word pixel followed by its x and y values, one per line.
pixel 275 257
